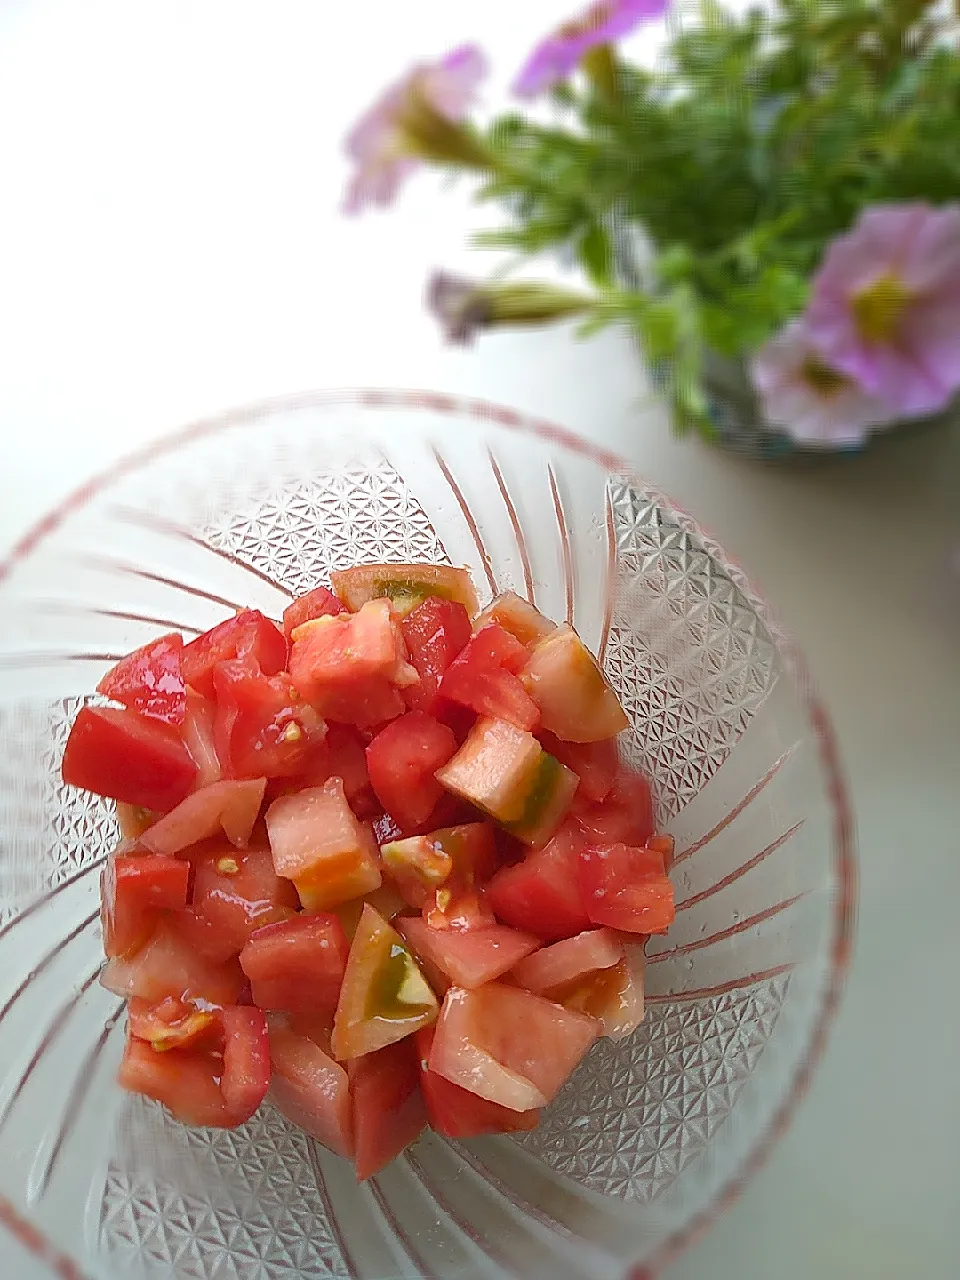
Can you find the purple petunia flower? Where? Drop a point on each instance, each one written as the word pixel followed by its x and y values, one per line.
pixel 814 403
pixel 885 307
pixel 465 307
pixel 560 53
pixel 388 142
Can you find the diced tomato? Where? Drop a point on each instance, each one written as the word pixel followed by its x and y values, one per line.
pixel 468 957
pixel 507 1045
pixel 483 678
pixel 388 1111
pixel 239 892
pixel 595 763
pixel 435 633
pixel 626 888
pixel 230 807
pixel 568 961
pixel 197 734
pixel 541 895
pixel 571 692
pixel 504 772
pixel 247 634
pixel 318 844
pixel 135 889
pixel 246 1061
pixel 317 1027
pixel 386 901
pixel 310 1089
pixel 405 585
pixel 262 727
pixel 167 966
pixel 318 603
pixel 384 996
pixel 342 754
pixel 456 1113
pixel 459 908
pixel 184 1080
pixel 133 820
pixel 203 936
pixel 297 965
pixel 351 667
pixel 613 996
pixel 625 815
pixel 171 1024
pixel 664 845
pixel 127 757
pixel 402 760
pixel 521 619
pixel 150 680
pixel 418 867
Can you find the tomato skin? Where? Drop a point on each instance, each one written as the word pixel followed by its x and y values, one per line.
pixel 542 895
pixel 388 1110
pixel 184 1080
pixel 297 965
pixel 596 764
pixel 262 727
pixel 246 1061
pixel 435 633
pixel 247 634
pixel 402 760
pixel 239 892
pixel 150 680
pixel 318 603
pixel 468 957
pixel 483 678
pixel 135 889
pixel 456 1113
pixel 626 814
pixel 125 756
pixel 405 586
pixel 310 1089
pixel 228 806
pixel 626 888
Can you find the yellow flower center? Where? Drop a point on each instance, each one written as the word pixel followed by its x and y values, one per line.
pixel 878 309
pixel 824 380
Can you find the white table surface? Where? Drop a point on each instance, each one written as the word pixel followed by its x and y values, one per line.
pixel 170 246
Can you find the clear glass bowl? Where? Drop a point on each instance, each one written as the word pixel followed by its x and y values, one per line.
pixel 654 1135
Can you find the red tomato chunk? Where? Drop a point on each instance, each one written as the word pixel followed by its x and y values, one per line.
pixel 402 760
pixel 247 634
pixel 626 888
pixel 388 1110
pixel 435 633
pixel 318 603
pixel 297 965
pixel 127 757
pixel 150 680
pixel 483 678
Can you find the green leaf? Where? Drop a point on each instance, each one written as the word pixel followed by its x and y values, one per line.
pixel 595 254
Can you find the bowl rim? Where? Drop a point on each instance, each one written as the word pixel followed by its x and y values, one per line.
pixel 844 843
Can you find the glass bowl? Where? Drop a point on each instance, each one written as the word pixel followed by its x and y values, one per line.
pixel 654 1134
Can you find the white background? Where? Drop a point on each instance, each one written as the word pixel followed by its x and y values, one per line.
pixel 170 246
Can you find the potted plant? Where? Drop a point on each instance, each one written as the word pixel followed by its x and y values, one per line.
pixel 792 173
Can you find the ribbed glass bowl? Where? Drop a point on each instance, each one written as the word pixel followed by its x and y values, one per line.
pixel 654 1134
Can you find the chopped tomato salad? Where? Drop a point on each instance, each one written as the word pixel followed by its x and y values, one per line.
pixel 382 865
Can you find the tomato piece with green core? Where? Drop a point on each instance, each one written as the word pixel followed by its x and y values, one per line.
pixel 229 806
pixel 246 1061
pixel 384 996
pixel 312 1090
pixel 386 901
pixel 318 603
pixel 135 889
pixel 150 680
pixel 248 634
pixel 541 895
pixel 483 678
pixel 467 957
pixel 507 1045
pixel 574 699
pixel 405 585
pixel 434 633
pixel 460 857
pixel 125 756
pixel 297 965
pixel 402 760
pixel 456 1113
pixel 185 1081
pixel 239 892
pixel 318 844
pixel 518 616
pixel 168 966
pixel 262 727
pixel 507 774
pixel 567 961
pixel 388 1110
pixel 626 888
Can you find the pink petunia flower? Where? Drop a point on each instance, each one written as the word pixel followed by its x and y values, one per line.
pixel 814 403
pixel 885 307
pixel 560 53
pixel 415 118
